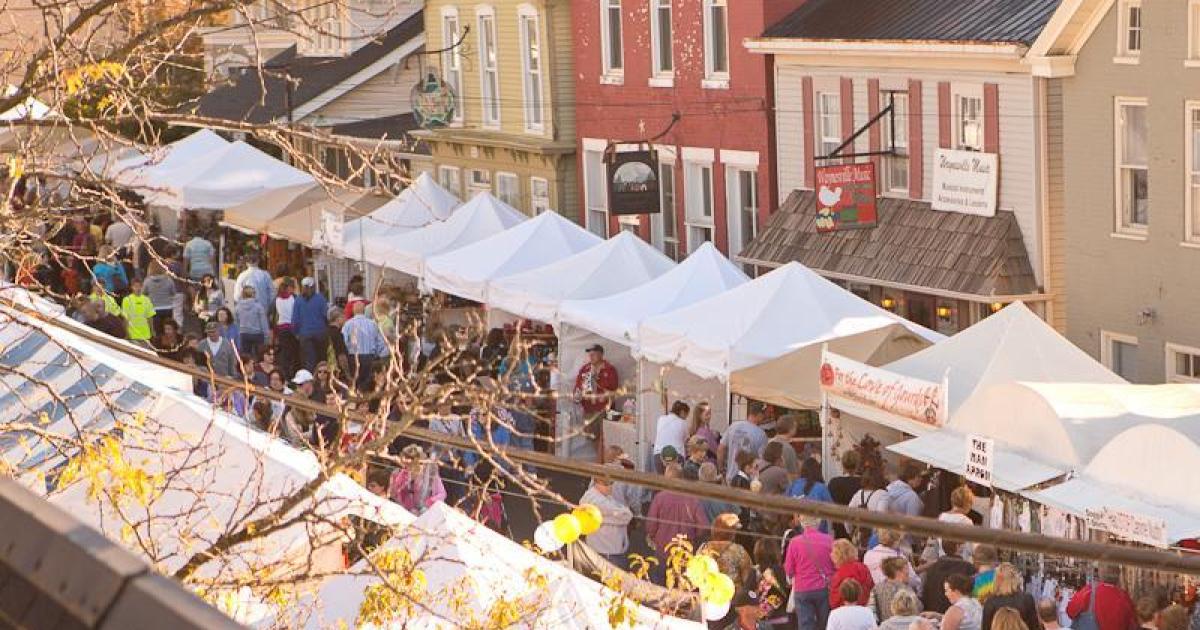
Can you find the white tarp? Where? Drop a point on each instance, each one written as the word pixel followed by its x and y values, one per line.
pixel 168 165
pixel 765 336
pixel 1146 471
pixel 703 274
pixel 241 173
pixel 468 569
pixel 422 203
pixel 467 272
pixel 620 263
pixel 481 217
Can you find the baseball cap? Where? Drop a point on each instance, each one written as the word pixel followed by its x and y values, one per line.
pixel 302 377
pixel 211 326
pixel 744 597
pixel 595 348
pixel 669 453
pixel 308 282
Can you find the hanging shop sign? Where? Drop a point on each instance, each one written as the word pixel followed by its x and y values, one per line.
pixel 433 102
pixel 915 399
pixel 633 182
pixel 330 233
pixel 981 457
pixel 965 182
pixel 1129 526
pixel 846 197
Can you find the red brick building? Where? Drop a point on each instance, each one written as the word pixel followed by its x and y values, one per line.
pixel 638 64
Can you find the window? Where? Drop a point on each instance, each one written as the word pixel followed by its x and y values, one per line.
pixel 661 36
pixel 895 167
pixel 480 180
pixel 450 177
pixel 452 58
pixel 610 40
pixel 539 195
pixel 508 189
pixel 742 191
pixel 698 203
pixel 1119 354
pixel 829 122
pixel 1129 31
pixel 1192 157
pixel 968 119
pixel 1133 186
pixel 326 28
pixel 664 231
pixel 489 69
pixel 596 191
pixel 716 39
pixel 531 53
pixel 1183 364
pixel 335 162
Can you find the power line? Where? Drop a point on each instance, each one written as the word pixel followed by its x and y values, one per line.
pixel 1171 561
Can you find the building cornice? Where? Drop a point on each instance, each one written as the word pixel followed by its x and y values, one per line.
pixel 933 55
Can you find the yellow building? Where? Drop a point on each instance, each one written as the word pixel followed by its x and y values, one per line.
pixel 510 63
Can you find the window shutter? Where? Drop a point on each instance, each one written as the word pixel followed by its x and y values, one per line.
pixel 945 116
pixel 916 142
pixel 847 106
pixel 874 134
pixel 810 145
pixel 991 118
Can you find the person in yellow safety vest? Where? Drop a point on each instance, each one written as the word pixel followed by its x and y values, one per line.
pixel 139 313
pixel 100 296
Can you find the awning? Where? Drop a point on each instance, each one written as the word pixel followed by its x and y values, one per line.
pixel 948 450
pixel 911 246
pixel 1077 496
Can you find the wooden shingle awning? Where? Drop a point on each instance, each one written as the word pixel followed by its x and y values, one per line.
pixel 912 246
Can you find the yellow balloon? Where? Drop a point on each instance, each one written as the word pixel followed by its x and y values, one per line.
pixel 719 588
pixel 699 567
pixel 566 528
pixel 589 518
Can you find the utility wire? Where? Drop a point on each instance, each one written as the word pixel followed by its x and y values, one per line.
pixel 1171 561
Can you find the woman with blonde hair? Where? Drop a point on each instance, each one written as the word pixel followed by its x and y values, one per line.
pixel 888 547
pixel 1009 592
pixel 416 484
pixel 906 609
pixel 1008 618
pixel 961 502
pixel 845 559
pixel 701 419
pixel 732 558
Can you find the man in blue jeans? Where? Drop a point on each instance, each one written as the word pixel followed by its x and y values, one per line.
pixel 808 563
pixel 309 318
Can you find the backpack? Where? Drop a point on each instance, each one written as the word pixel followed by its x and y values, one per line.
pixel 1087 619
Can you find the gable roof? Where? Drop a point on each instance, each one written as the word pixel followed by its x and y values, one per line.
pixel 244 99
pixel 990 21
pixel 912 245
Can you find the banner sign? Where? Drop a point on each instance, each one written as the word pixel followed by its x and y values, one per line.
pixel 965 182
pixel 981 457
pixel 633 183
pixel 846 197
pixel 330 233
pixel 1128 526
pixel 915 399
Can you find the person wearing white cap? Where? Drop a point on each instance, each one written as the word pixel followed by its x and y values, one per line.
pixel 297 423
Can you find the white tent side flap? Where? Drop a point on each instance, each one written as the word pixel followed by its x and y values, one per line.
pixel 468 271
pixel 622 262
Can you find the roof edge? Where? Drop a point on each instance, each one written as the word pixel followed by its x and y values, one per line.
pixel 890 47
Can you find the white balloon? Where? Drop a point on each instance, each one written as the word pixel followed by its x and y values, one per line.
pixel 714 611
pixel 545 539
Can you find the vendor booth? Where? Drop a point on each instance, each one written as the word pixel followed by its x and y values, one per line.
pixel 295 212
pixel 613 322
pixel 1013 344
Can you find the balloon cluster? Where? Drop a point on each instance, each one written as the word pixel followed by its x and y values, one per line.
pixel 716 588
pixel 565 529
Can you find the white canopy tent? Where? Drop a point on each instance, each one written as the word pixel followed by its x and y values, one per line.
pixel 764 338
pixel 620 263
pixel 294 212
pixel 469 569
pixel 170 163
pixel 468 272
pixel 240 173
pixel 422 203
pixel 1147 471
pixel 703 274
pixel 1046 430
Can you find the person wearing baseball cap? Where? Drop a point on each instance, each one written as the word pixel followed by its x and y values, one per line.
pixel 221 355
pixel 746 611
pixel 595 385
pixel 311 319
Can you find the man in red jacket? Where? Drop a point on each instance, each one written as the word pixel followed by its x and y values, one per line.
pixel 595 385
pixel 1113 609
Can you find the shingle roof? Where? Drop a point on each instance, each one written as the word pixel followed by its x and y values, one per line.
pixel 244 101
pixel 911 245
pixel 390 127
pixel 1011 21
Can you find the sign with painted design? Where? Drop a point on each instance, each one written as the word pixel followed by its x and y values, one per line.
pixel 965 182
pixel 912 398
pixel 1126 525
pixel 846 197
pixel 981 457
pixel 633 183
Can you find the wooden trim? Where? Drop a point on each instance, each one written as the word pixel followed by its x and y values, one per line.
pixel 810 144
pixel 991 118
pixel 945 115
pixel 847 105
pixel 916 142
pixel 874 134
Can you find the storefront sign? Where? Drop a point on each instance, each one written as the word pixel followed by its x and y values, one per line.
pixel 633 183
pixel 846 197
pixel 433 102
pixel 981 456
pixel 1129 526
pixel 330 233
pixel 965 182
pixel 911 398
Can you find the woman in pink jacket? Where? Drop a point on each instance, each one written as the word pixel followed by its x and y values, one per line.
pixel 416 485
